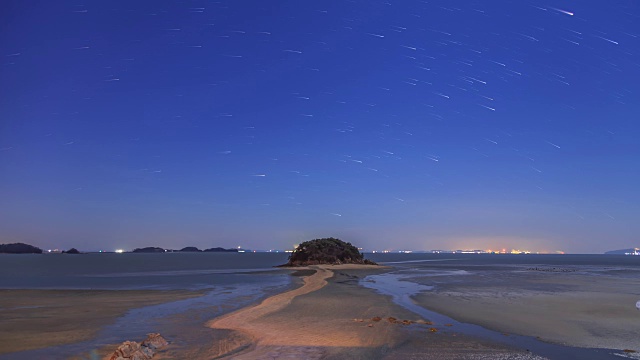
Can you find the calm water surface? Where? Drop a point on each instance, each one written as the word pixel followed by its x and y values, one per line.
pixel 137 271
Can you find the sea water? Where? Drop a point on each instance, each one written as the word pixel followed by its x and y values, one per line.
pixel 141 271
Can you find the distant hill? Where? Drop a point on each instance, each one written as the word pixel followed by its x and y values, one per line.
pixel 19 248
pixel 190 249
pixel 71 251
pixel 219 249
pixel 149 249
pixel 621 251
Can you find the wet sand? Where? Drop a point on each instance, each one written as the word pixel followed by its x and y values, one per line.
pixel 332 317
pixel 558 307
pixel 33 319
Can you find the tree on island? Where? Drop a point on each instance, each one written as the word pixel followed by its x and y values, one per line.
pixel 19 248
pixel 326 251
pixel 71 251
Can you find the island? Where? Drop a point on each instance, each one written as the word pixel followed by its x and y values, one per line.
pixel 149 249
pixel 19 248
pixel 330 251
pixel 189 249
pixel 219 249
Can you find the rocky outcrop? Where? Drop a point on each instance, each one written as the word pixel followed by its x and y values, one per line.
pixel 131 350
pixel 154 341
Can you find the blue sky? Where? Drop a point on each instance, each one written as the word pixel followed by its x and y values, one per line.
pixel 390 124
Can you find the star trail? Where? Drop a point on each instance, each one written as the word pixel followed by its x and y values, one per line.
pixel 392 124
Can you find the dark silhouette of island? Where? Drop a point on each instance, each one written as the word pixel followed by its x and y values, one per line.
pixel 190 249
pixel 19 248
pixel 71 251
pixel 622 251
pixel 149 249
pixel 219 249
pixel 326 251
pixel 153 249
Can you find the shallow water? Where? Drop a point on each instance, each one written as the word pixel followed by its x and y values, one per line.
pixel 231 281
pixel 412 277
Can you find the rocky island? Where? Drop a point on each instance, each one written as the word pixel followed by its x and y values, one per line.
pixel 330 251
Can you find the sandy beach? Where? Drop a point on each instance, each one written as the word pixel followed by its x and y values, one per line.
pixel 561 307
pixel 33 319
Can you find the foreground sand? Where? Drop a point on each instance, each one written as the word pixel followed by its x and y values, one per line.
pixel 556 306
pixel 32 319
pixel 330 317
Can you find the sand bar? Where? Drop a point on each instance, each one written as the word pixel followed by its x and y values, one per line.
pixel 332 317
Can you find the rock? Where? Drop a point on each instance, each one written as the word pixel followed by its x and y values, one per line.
pixel 154 341
pixel 131 350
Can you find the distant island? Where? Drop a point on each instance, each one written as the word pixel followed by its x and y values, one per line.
pixel 153 249
pixel 190 249
pixel 149 249
pixel 630 251
pixel 329 251
pixel 19 248
pixel 216 249
pixel 219 249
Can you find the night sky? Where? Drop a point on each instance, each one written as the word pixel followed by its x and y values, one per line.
pixel 392 124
